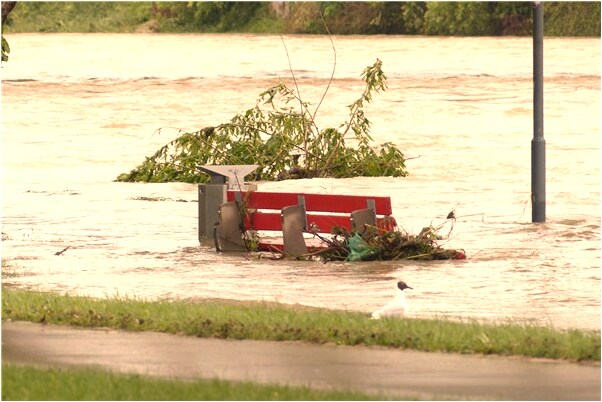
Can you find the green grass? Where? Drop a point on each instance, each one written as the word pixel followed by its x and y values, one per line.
pixel 30 383
pixel 270 321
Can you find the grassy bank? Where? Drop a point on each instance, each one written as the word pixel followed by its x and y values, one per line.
pixel 269 321
pixel 29 383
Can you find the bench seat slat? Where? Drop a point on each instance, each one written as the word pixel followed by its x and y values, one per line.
pixel 314 202
pixel 262 220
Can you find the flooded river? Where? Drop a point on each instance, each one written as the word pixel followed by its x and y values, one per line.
pixel 79 109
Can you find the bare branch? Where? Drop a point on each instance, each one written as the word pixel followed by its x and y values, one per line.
pixel 298 94
pixel 334 66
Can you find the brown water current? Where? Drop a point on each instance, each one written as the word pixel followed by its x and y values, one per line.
pixel 79 109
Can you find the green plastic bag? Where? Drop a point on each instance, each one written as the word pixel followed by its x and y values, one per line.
pixel 358 249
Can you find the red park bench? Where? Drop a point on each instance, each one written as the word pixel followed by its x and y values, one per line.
pixel 230 210
pixel 294 215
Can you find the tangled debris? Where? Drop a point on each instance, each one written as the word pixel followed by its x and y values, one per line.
pixel 378 245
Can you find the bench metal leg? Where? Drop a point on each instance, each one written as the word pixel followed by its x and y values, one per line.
pixel 228 231
pixel 362 219
pixel 211 196
pixel 293 226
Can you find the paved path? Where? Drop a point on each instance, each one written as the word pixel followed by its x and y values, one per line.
pixel 372 370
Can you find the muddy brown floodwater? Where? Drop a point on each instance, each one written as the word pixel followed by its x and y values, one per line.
pixel 461 108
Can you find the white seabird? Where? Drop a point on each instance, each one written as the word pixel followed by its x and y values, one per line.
pixel 396 307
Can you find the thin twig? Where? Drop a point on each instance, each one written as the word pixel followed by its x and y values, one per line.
pixel 334 66
pixel 62 251
pixel 302 107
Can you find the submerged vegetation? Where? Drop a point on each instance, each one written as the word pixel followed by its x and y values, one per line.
pixel 271 321
pixel 375 244
pixel 5 49
pixel 280 135
pixel 381 242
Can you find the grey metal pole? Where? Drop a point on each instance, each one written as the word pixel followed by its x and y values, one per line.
pixel 538 144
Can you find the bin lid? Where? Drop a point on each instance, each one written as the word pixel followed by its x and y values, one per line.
pixel 233 175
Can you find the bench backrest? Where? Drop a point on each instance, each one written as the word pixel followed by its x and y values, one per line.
pixel 313 202
pixel 321 209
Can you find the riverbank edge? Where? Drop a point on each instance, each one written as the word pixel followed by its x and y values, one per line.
pixel 231 319
pixel 580 19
